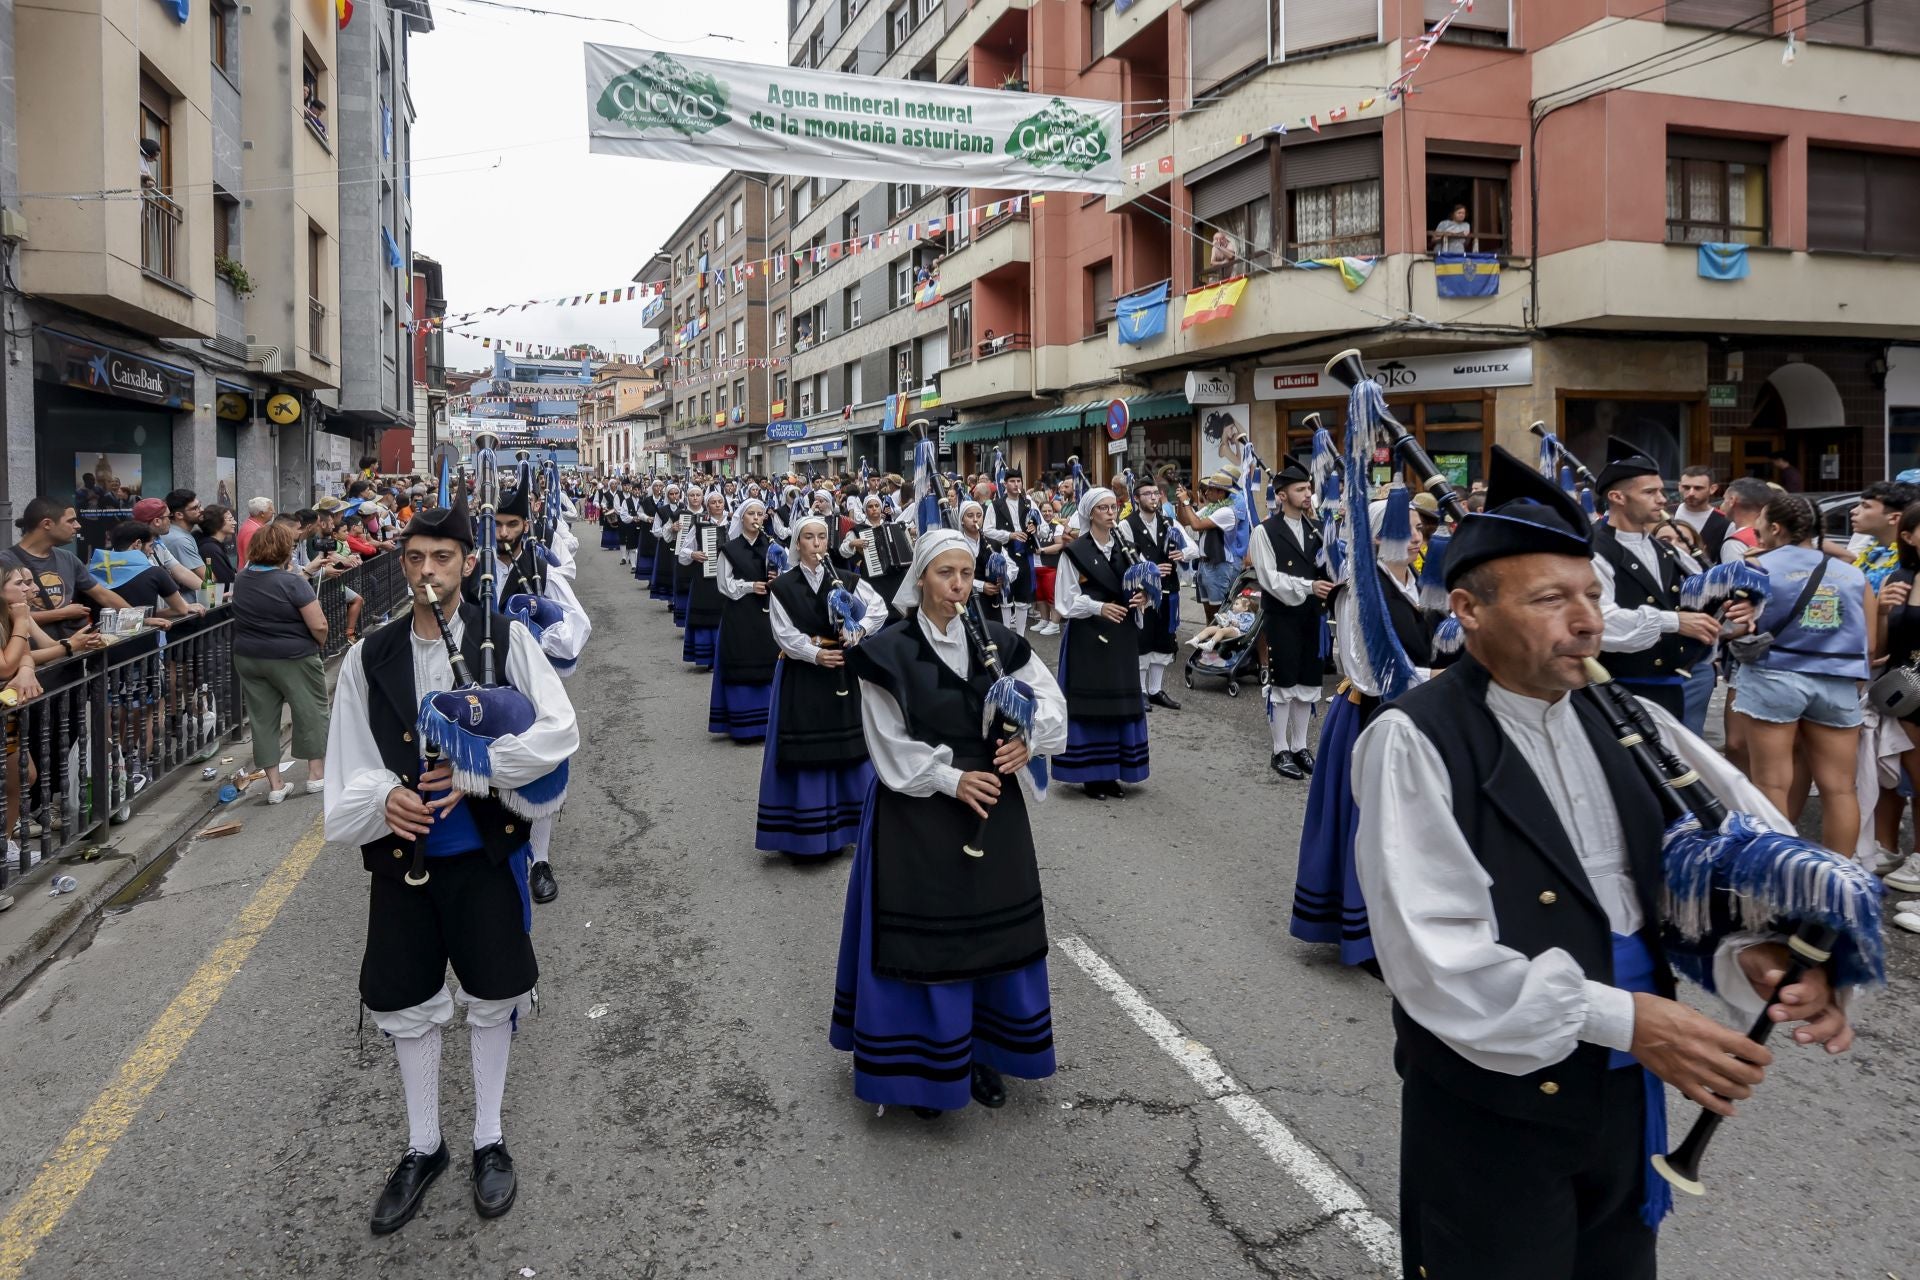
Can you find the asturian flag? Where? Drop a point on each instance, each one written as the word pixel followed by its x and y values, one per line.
pixel 1142 316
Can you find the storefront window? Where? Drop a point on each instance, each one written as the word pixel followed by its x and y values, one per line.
pixel 1453 432
pixel 1903 439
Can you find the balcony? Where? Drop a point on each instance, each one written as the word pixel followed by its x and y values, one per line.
pixel 1621 284
pixel 1001 369
pixel 969 29
pixel 1277 306
pixel 992 246
pixel 160 220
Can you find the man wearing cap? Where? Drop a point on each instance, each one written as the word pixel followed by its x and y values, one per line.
pixel 1213 527
pixel 152 512
pixel 1510 855
pixel 1286 556
pixel 471 907
pixel 1650 641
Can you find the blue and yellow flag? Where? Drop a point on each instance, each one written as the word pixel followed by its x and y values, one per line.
pixel 1141 316
pixel 1466 275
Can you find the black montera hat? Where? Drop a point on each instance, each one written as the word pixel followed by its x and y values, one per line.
pixel 1527 514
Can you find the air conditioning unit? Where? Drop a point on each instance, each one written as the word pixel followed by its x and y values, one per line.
pixel 233 348
pixel 268 358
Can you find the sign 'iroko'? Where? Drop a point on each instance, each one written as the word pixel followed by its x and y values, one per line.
pixel 808 123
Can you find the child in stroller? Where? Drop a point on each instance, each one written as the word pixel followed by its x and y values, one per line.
pixel 1225 648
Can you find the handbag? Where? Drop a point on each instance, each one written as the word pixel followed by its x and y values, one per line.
pixel 1753 648
pixel 1896 692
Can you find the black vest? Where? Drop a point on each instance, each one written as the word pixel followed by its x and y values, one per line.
pixel 1542 897
pixel 1635 588
pixel 1100 661
pixel 393 710
pixel 1157 635
pixel 747 650
pixel 818 725
pixel 1012 517
pixel 1412 624
pixel 1293 559
pixel 704 601
pixel 1713 534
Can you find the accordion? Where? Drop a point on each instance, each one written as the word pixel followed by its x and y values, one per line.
pixel 888 550
pixel 710 545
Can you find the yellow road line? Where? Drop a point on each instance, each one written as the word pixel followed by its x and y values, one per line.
pixel 85 1148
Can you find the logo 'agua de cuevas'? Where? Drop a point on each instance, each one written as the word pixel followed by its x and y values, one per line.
pixel 662 93
pixel 1059 137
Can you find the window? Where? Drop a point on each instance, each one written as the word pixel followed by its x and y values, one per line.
pixel 779 386
pixel 816 48
pixel 899 24
pixel 900 198
pixel 856 394
pixel 779 189
pixel 1893 25
pixel 226 221
pixel 932 353
pixel 1234 196
pixel 720 398
pixel 313 91
pixel 740 392
pixel 156 116
pixel 737 215
pixel 1716 190
pixel 1862 201
pixel 706 404
pixel 850 224
pixel 802 198
pixel 1480 185
pixel 1100 296
pixel 720 286
pixel 1720 13
pixel 1333 198
pixel 740 336
pixel 806 401
pixel 926 8
pixel 1313 26
pixel 905 375
pixel 719 230
pixel 902 283
pixel 316 278
pixel 853 307
pixel 960 328
pixel 722 340
pixel 1485 24
pixel 223 23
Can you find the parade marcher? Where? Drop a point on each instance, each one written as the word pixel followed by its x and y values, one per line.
pixel 684 571
pixel 629 509
pixel 942 976
pixel 853 548
pixel 646 505
pixel 666 515
pixel 744 653
pixel 1100 657
pixel 1327 903
pixel 606 501
pixel 1156 538
pixel 1510 853
pixel 814 777
pixel 473 910
pixel 1008 527
pixel 704 601
pixel 1286 549
pixel 1647 644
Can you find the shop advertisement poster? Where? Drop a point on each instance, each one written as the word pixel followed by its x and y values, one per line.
pixel 105 474
pixel 826 124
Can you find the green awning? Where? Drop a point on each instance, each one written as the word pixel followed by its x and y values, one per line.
pixel 976 431
pixel 1144 408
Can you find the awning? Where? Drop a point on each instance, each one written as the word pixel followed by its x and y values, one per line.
pixel 973 431
pixel 1145 408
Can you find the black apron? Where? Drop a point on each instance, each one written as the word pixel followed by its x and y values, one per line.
pixel 747 650
pixel 819 712
pixel 1102 659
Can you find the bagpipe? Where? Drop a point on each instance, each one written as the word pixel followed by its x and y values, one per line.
pixel 1009 701
pixel 533 609
pixel 1720 871
pixel 462 723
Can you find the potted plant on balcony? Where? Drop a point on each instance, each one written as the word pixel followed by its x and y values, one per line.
pixel 230 270
pixel 1014 82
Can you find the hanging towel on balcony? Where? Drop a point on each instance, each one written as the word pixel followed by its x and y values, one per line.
pixel 1723 261
pixel 1142 316
pixel 394 260
pixel 179 8
pixel 1353 271
pixel 1466 275
pixel 1215 302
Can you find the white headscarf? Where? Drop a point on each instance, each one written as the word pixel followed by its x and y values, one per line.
pixel 800 527
pixel 977 507
pixel 1091 499
pixel 930 545
pixel 733 527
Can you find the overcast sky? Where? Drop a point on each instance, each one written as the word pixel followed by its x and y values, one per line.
pixel 505 195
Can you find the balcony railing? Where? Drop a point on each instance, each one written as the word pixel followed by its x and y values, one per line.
pixel 1148 124
pixel 160 221
pixel 317 327
pixel 1000 344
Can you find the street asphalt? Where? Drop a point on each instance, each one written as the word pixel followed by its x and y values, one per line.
pixel 186 1093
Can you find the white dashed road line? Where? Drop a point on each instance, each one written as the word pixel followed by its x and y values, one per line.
pixel 1307 1167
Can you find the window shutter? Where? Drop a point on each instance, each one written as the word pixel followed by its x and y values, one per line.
pixel 1218 44
pixel 1837 22
pixel 1896 25
pixel 1248 180
pixel 1893 193
pixel 1307 25
pixel 1721 13
pixel 1695 146
pixel 1486 15
pixel 1325 163
pixel 1836 199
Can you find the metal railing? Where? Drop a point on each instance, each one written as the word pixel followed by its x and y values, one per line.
pixel 361 599
pixel 317 327
pixel 1002 343
pixel 160 221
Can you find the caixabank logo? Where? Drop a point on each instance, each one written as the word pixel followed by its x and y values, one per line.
pixel 661 93
pixel 1059 137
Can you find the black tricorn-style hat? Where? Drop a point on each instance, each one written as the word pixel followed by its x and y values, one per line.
pixel 1292 471
pixel 450 521
pixel 1624 462
pixel 1527 514
pixel 513 502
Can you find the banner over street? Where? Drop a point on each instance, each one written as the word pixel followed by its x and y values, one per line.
pixel 755 117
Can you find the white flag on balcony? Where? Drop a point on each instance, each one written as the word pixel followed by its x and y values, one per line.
pixel 794 120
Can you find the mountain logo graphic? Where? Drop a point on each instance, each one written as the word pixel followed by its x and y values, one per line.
pixel 1059 137
pixel 662 93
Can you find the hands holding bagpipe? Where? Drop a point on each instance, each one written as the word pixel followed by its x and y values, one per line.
pixel 979 789
pixel 412 814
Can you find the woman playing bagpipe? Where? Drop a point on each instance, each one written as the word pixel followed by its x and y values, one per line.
pixel 744 652
pixel 704 600
pixel 814 776
pixel 1100 656
pixel 1528 915
pixel 446 839
pixel 942 980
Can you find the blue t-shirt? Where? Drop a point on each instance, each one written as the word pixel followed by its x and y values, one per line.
pixel 184 547
pixel 1827 637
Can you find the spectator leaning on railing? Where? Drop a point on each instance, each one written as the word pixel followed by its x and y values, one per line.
pixel 46 527
pixel 278 632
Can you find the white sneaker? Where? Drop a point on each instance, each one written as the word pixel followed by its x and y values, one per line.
pixel 315 786
pixel 1885 860
pixel 1905 878
pixel 275 797
pixel 1908 920
pixel 1909 904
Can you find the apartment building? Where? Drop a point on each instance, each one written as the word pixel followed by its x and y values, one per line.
pixel 429 363
pixel 174 227
pixel 716 327
pixel 615 417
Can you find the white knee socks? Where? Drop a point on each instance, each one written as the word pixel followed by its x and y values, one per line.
pixel 541 837
pixel 1156 677
pixel 491 1046
pixel 1014 618
pixel 420 1076
pixel 1299 722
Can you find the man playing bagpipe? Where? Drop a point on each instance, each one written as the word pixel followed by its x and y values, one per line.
pixel 1009 520
pixel 1161 543
pixel 1511 851
pixel 528 587
pixel 446 840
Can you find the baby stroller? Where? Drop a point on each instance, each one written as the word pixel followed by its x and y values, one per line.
pixel 1236 659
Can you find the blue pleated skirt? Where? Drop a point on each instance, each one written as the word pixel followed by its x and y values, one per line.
pixel 660 587
pixel 699 645
pixel 1327 906
pixel 609 538
pixel 809 813
pixel 1103 751
pixel 681 598
pixel 737 710
pixel 914 1044
pixel 642 566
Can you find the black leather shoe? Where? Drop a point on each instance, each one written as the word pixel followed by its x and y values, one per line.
pixel 1163 699
pixel 1095 790
pixel 540 881
pixel 406 1186
pixel 1282 764
pixel 1304 759
pixel 989 1090
pixel 927 1113
pixel 494 1185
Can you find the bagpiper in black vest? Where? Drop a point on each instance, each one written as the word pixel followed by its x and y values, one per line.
pixel 1156 636
pixel 818 727
pixel 1012 517
pixel 747 650
pixel 1101 660
pixel 1293 630
pixel 1634 588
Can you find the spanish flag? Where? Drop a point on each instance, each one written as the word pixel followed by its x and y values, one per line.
pixel 343 12
pixel 1214 302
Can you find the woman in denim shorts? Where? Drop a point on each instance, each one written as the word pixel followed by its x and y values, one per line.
pixel 1805 693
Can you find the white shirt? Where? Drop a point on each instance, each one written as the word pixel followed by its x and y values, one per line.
pixel 796 643
pixel 1694 520
pixel 1431 910
pixel 913 768
pixel 1017 508
pixel 1631 630
pixel 355 801
pixel 731 587
pixel 1287 588
pixel 1068 599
